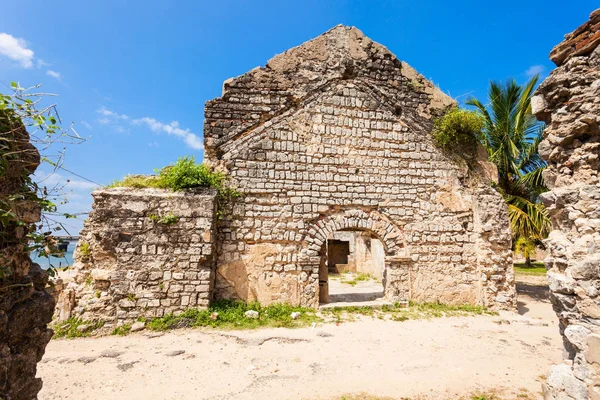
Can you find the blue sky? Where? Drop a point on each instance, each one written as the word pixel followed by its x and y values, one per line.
pixel 134 75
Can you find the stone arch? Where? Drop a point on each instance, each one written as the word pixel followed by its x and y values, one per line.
pixel 390 235
pixel 396 279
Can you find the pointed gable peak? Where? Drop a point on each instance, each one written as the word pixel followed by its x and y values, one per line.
pixel 337 46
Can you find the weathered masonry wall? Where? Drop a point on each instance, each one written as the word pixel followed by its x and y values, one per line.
pixel 25 307
pixel 336 135
pixel 569 102
pixel 143 253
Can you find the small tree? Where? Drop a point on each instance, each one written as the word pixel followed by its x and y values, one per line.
pixel 525 247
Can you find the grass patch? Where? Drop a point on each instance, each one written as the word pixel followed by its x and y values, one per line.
pixel 354 279
pixel 399 313
pixel 69 328
pixel 538 269
pixel 122 330
pixel 230 315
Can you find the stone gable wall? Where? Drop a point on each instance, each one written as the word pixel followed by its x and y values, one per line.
pixel 128 264
pixel 569 102
pixel 338 129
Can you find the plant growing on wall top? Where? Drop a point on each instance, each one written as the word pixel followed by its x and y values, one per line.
pixel 459 130
pixel 184 174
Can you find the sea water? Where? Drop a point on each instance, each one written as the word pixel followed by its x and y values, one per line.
pixel 62 261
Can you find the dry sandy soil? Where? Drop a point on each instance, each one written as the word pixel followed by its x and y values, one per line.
pixel 443 358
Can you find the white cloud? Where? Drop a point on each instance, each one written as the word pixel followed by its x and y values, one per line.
pixel 108 113
pixel 172 128
pixel 116 120
pixel 39 63
pixel 86 124
pixel 535 70
pixel 153 144
pixel 121 129
pixel 54 74
pixel 16 49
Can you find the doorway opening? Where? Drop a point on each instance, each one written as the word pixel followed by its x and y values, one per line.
pixel 351 269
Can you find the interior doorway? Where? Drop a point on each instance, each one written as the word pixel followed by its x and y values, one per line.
pixel 351 269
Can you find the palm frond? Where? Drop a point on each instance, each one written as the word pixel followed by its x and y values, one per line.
pixel 528 219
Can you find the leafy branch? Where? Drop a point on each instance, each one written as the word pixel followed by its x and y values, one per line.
pixel 30 125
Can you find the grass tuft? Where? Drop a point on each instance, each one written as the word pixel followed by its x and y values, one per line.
pixel 355 278
pixel 122 330
pixel 68 329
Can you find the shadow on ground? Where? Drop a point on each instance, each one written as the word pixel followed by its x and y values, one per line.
pixel 536 292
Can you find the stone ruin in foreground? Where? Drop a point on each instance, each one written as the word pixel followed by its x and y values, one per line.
pixel 569 102
pixel 329 143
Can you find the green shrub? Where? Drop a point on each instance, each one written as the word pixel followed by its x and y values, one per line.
pixel 459 130
pixel 184 174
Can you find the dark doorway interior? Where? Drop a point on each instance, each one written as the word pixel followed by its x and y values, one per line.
pixel 337 255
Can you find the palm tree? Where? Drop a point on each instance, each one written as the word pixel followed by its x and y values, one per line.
pixel 511 136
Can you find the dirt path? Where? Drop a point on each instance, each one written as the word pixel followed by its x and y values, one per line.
pixel 438 359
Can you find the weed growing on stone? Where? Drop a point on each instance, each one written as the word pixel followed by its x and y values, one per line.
pixel 230 314
pixel 167 219
pixel 75 327
pixel 84 250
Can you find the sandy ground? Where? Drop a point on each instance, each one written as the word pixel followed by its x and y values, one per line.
pixel 441 358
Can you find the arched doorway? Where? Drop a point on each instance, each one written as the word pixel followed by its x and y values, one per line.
pixel 352 268
pixel 384 238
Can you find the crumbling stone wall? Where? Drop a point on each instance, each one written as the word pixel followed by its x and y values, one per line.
pixel 336 135
pixel 133 262
pixel 569 102
pixel 25 307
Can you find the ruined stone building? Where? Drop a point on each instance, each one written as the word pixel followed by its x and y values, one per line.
pixel 330 146
pixel 333 136
pixel 569 102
